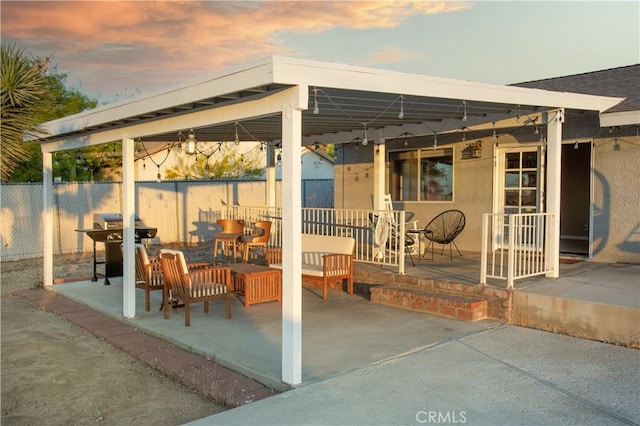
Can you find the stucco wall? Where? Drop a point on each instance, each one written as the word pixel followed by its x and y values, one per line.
pixel 353 176
pixel 616 202
pixel 616 188
pixel 472 187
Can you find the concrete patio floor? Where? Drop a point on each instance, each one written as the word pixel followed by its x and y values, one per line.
pixel 344 332
pixel 365 363
pixel 340 334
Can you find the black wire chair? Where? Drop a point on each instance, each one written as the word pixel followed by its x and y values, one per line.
pixel 444 229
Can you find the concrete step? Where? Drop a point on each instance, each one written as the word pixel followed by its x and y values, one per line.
pixel 442 304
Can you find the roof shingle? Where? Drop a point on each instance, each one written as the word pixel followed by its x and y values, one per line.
pixel 619 82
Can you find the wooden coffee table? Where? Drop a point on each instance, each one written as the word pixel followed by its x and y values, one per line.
pixel 257 283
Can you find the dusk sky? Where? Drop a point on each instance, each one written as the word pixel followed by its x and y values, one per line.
pixel 115 50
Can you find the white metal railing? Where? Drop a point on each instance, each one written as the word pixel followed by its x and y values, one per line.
pixel 358 224
pixel 515 246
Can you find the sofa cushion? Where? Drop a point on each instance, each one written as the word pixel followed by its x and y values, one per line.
pixel 327 244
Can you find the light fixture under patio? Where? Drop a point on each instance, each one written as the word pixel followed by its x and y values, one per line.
pixel 316 110
pixel 190 143
pixel 475 149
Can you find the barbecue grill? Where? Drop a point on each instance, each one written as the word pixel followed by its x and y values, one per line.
pixel 107 229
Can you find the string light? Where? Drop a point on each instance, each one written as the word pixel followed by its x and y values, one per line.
pixel 237 139
pixel 464 114
pixel 401 113
pixel 141 147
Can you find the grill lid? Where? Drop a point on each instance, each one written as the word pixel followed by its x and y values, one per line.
pixel 110 220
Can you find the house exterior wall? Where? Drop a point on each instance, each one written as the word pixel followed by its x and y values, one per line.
pixel 353 177
pixel 616 199
pixel 472 186
pixel 615 222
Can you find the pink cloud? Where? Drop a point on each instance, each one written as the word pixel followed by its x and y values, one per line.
pixel 393 54
pixel 159 43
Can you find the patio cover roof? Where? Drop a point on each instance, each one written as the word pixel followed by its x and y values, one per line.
pixel 274 99
pixel 348 98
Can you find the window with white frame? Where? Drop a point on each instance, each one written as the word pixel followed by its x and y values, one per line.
pixel 421 175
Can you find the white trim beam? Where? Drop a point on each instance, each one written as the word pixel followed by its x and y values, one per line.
pixel 253 76
pixel 322 74
pixel 625 118
pixel 211 117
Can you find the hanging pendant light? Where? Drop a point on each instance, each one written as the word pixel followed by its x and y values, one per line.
pixel 190 143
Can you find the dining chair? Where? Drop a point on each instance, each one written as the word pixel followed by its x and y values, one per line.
pixel 257 238
pixel 232 230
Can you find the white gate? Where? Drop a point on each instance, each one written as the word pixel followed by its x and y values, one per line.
pixel 515 246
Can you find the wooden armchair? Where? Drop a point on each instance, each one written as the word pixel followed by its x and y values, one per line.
pixel 149 275
pixel 201 285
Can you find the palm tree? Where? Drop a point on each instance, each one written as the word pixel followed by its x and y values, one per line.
pixel 23 91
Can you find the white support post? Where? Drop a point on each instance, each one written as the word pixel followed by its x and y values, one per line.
pixel 511 254
pixel 292 242
pixel 271 177
pixel 554 161
pixel 128 232
pixel 483 249
pixel 379 171
pixel 47 218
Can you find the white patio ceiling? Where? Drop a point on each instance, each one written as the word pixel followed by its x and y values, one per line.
pixel 348 98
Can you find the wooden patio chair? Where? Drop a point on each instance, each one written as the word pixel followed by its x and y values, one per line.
pixel 202 285
pixel 232 230
pixel 259 237
pixel 444 229
pixel 149 275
